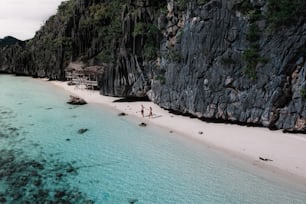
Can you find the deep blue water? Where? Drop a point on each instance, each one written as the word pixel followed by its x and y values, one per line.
pixel 44 158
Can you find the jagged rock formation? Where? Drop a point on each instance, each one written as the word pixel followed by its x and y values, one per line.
pixel 241 61
pixel 229 66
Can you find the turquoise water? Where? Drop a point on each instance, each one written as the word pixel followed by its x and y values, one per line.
pixel 44 158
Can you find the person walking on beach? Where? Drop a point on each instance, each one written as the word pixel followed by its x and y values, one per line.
pixel 150 112
pixel 142 110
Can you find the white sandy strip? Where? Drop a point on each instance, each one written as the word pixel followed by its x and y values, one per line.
pixel 288 151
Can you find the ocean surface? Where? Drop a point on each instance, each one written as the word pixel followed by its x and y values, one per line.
pixel 45 159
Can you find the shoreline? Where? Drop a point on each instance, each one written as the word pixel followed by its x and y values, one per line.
pixel 240 143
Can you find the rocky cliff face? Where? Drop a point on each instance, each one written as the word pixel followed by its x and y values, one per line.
pixel 235 67
pixel 238 61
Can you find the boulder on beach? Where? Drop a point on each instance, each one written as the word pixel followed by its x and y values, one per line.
pixel 142 124
pixel 74 100
pixel 122 114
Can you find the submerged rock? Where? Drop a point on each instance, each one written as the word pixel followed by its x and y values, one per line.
pixel 82 130
pixel 59 194
pixel 133 200
pixel 28 180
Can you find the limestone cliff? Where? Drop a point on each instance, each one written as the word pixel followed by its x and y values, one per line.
pixel 240 61
pixel 232 61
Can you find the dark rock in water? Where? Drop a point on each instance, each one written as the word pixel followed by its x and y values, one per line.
pixel 59 194
pixel 142 124
pixel 2 199
pixel 67 139
pixel 25 180
pixel 133 201
pixel 43 193
pixel 70 169
pixel 74 100
pixel 13 129
pixel 89 202
pixel 82 130
pixel 17 195
pixel 59 175
pixel 34 173
pixel 37 182
pixel 36 165
pixel 122 114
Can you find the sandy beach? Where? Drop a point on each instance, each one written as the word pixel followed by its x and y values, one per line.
pixel 284 153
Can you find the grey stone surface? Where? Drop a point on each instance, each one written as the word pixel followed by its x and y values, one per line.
pixel 209 80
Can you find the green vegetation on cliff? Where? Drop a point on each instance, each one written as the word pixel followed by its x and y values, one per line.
pixel 8 41
pixel 95 32
pixel 286 12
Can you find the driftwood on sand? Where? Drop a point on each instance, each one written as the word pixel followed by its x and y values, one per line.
pixel 265 159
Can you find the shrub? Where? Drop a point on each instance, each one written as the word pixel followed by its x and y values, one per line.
pixel 303 93
pixel 244 7
pixel 182 4
pixel 174 56
pixel 150 51
pixel 251 57
pixel 139 29
pixel 250 72
pixel 285 12
pixel 255 15
pixel 150 34
pixel 105 56
pixel 253 34
pixel 160 78
pixel 201 2
pixel 227 61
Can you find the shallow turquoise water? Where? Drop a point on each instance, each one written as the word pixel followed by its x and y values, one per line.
pixel 115 161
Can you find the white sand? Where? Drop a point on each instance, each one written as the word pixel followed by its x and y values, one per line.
pixel 288 151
